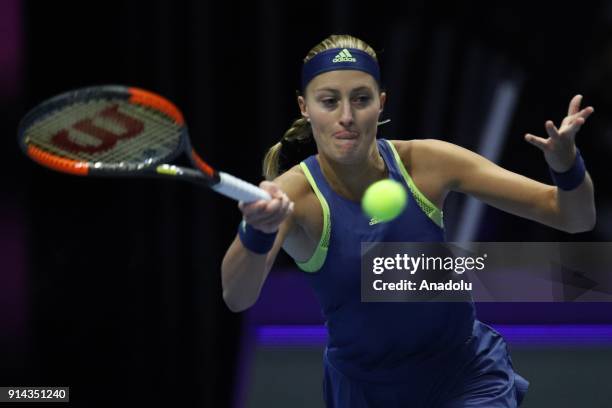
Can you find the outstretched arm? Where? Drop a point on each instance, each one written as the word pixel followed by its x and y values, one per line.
pixel 465 171
pixel 244 270
pixel 578 204
pixel 247 262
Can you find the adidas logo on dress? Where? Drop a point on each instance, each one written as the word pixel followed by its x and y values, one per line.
pixel 344 56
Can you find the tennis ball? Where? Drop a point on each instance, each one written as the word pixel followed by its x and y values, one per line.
pixel 384 200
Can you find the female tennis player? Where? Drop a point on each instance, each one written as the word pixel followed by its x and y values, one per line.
pixel 390 354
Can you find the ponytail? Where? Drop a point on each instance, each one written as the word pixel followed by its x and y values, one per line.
pixel 296 144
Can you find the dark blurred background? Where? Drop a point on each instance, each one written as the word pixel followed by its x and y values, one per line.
pixel 112 286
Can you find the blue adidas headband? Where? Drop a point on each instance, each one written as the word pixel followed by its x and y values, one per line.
pixel 338 59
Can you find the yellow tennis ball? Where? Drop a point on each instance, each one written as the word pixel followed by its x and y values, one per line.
pixel 384 200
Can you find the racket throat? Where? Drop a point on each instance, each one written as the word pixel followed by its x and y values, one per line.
pixel 187 174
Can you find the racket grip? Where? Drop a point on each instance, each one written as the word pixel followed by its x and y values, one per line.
pixel 239 190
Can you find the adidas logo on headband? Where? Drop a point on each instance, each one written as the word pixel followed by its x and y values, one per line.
pixel 344 56
pixel 355 59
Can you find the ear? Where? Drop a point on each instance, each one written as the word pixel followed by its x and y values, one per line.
pixel 383 99
pixel 302 104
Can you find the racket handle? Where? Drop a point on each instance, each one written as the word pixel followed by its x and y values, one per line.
pixel 239 190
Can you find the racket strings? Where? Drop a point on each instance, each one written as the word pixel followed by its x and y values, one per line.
pixel 43 131
pixel 159 137
pixel 156 132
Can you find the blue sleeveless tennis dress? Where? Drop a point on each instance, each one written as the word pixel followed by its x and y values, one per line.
pixel 390 354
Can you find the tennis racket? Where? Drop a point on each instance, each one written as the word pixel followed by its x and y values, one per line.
pixel 120 131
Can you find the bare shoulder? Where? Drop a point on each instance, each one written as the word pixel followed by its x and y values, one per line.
pixel 430 154
pixel 430 163
pixel 415 149
pixel 403 147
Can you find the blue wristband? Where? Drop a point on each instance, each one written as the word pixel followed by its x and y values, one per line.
pixel 255 240
pixel 572 178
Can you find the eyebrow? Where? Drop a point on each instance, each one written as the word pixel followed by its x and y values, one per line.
pixel 333 90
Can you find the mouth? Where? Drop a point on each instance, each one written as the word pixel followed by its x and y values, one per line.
pixel 345 135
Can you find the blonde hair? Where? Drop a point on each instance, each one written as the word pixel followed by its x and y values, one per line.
pixel 297 143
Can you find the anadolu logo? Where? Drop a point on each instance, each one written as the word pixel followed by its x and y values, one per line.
pixel 344 56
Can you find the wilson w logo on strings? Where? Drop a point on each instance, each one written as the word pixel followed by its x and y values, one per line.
pixel 123 127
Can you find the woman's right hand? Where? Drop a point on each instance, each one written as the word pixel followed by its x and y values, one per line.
pixel 267 216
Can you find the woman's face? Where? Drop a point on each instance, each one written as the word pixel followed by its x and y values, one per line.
pixel 343 107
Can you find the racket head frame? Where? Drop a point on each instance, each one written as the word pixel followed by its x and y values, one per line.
pixel 93 168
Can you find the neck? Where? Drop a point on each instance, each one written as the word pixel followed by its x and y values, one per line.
pixel 351 180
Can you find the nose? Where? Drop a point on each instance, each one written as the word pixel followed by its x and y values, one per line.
pixel 346 118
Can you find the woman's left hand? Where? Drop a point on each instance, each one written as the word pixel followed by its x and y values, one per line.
pixel 560 147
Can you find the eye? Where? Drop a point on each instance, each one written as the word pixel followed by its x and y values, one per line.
pixel 362 99
pixel 328 102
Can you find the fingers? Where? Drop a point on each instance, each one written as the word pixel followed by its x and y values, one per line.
pixel 538 142
pixel 267 215
pixel 551 129
pixel 574 109
pixel 567 131
pixel 273 222
pixel 583 115
pixel 586 112
pixel 270 187
pixel 574 105
pixel 264 211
